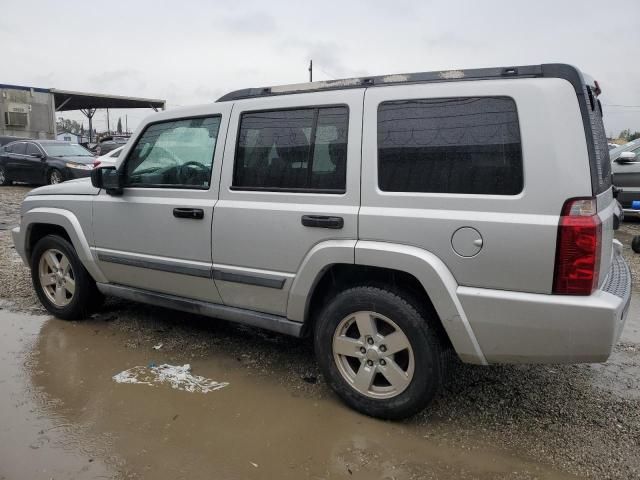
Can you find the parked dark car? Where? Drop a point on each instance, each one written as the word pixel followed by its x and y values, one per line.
pixel 43 162
pixel 108 144
pixel 626 172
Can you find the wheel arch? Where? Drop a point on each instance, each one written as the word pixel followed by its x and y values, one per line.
pixel 412 269
pixel 39 222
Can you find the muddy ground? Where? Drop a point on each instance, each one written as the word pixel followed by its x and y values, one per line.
pixel 63 416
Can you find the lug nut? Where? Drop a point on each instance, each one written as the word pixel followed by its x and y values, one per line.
pixel 383 348
pixel 382 362
pixel 370 341
pixel 363 350
pixel 370 363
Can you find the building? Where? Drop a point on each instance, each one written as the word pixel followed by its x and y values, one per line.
pixel 72 137
pixel 29 112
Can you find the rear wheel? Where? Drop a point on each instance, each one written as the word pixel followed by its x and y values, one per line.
pixel 62 284
pixel 378 352
pixel 55 176
pixel 4 180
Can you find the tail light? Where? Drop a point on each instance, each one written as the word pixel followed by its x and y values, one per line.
pixel 577 265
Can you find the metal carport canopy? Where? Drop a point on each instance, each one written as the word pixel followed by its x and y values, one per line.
pixel 68 100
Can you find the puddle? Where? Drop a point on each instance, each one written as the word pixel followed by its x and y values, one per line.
pixel 255 427
pixel 36 442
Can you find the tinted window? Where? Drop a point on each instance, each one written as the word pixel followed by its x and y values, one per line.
pixel 19 148
pixel 32 149
pixel 450 145
pixel 174 154
pixel 293 149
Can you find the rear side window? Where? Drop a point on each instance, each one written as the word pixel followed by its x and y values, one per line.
pixel 19 148
pixel 299 150
pixel 450 145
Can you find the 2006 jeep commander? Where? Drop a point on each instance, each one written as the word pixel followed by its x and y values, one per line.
pixel 392 218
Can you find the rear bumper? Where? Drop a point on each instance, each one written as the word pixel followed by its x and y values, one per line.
pixel 514 327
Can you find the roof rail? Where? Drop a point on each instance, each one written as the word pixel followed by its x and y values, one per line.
pixel 405 78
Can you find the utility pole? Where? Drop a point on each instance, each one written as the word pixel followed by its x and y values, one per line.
pixel 108 128
pixel 126 123
pixel 311 70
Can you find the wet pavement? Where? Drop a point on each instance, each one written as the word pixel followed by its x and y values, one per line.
pixel 63 416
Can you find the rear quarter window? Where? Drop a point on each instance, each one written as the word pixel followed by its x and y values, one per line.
pixel 467 145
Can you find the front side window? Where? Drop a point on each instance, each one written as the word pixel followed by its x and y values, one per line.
pixel 465 145
pixel 176 154
pixel 303 149
pixel 19 148
pixel 32 149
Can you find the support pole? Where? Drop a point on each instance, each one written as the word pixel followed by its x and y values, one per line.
pixel 311 70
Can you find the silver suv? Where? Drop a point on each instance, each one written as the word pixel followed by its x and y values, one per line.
pixel 392 218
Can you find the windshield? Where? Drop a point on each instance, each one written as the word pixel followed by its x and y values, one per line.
pixel 66 150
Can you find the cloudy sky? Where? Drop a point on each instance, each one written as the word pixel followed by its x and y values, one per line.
pixel 193 51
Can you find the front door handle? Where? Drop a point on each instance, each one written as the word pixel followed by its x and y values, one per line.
pixel 195 213
pixel 322 221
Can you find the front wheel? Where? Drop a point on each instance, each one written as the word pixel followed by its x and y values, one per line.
pixel 62 284
pixel 378 352
pixel 55 177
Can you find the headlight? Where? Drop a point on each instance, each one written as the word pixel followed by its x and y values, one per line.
pixel 80 166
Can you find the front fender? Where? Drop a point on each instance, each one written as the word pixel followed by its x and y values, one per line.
pixel 62 218
pixel 436 280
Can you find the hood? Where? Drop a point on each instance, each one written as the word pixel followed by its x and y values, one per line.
pixel 80 159
pixel 81 186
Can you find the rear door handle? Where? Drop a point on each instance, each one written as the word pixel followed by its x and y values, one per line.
pixel 322 221
pixel 195 213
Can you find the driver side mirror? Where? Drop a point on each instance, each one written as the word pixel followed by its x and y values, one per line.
pixel 626 157
pixel 107 178
pixel 39 155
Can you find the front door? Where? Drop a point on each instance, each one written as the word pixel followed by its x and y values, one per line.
pixel 157 234
pixel 291 182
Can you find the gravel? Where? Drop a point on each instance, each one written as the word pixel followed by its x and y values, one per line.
pixel 581 419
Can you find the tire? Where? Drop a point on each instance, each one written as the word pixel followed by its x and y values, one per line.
pixel 421 362
pixel 4 181
pixel 635 244
pixel 84 296
pixel 54 177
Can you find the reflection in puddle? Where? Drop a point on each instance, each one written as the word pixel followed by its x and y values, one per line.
pixel 179 377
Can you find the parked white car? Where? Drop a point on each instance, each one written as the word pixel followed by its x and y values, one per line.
pixel 108 159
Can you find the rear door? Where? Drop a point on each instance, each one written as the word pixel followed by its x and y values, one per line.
pixel 34 164
pixel 15 162
pixel 290 181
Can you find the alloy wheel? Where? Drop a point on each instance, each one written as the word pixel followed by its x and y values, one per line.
pixel 57 278
pixel 373 355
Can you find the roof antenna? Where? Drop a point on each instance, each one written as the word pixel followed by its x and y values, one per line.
pixel 311 70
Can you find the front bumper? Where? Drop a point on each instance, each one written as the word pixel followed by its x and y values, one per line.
pixel 515 327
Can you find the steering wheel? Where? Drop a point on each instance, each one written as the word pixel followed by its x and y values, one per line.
pixel 191 173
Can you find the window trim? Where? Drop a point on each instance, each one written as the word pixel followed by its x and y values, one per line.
pixel 123 166
pixel 336 191
pixel 449 194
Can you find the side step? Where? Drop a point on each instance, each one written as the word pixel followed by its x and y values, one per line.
pixel 267 321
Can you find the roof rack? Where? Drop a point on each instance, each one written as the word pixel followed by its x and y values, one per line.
pixel 558 70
